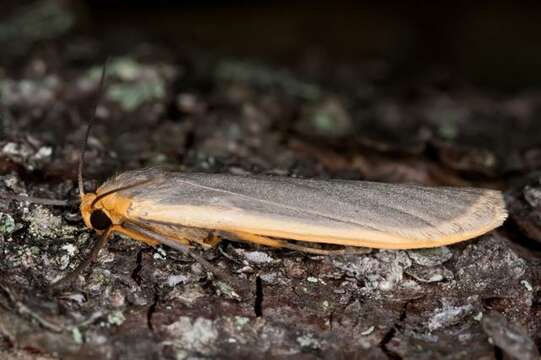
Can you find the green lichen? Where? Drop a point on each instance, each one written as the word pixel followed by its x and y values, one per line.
pixel 265 77
pixel 29 92
pixel 116 318
pixel 131 96
pixel 25 155
pixel 100 279
pixel 330 118
pixel 34 250
pixel 7 224
pixel 448 130
pixel 323 121
pixel 133 84
pixel 308 341
pixel 192 336
pixel 77 335
pixel 227 290
pixel 44 224
pixel 125 68
pixel 240 322
pixel 120 68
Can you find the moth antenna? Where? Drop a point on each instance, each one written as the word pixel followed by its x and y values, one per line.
pixel 89 126
pixel 105 194
pixel 35 200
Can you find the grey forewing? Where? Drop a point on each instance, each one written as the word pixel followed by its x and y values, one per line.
pixel 357 203
pixel 133 177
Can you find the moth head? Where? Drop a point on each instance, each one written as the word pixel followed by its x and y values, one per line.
pixel 94 217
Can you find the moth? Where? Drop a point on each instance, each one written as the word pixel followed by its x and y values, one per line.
pixel 155 206
pixel 182 209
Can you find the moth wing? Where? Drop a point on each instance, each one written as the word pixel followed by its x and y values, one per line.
pixel 355 213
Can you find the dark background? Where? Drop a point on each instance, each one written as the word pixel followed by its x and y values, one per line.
pixel 492 43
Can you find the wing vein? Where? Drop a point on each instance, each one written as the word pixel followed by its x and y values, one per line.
pixel 400 209
pixel 351 222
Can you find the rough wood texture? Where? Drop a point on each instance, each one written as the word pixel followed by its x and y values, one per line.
pixel 190 110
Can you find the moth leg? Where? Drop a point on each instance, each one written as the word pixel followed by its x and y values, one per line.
pixel 212 240
pixel 182 234
pixel 316 251
pixel 68 279
pixel 276 243
pixel 119 229
pixel 203 238
pixel 254 239
pixel 142 232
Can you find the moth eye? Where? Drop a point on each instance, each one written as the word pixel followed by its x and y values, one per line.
pixel 99 220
